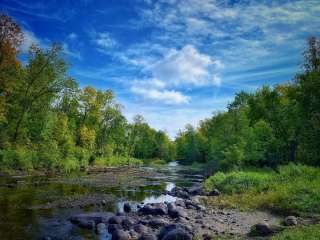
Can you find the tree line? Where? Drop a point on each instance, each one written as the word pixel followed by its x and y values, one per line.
pixel 269 127
pixel 48 121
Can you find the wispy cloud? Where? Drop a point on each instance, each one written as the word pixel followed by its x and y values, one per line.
pixel 165 96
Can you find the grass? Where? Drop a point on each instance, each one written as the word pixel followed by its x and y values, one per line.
pixel 305 232
pixel 293 189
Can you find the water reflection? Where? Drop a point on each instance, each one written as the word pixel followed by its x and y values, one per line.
pixel 20 198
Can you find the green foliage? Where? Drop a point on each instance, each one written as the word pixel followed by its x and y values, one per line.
pixel 311 232
pixel 290 189
pixel 48 122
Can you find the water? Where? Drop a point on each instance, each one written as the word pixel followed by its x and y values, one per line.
pixel 33 207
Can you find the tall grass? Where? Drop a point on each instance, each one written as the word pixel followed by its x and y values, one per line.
pixel 290 189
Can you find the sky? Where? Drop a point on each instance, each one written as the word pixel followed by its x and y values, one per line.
pixel 173 61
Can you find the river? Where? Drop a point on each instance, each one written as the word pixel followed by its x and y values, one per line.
pixel 33 207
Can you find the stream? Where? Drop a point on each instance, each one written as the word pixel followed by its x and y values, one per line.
pixel 34 207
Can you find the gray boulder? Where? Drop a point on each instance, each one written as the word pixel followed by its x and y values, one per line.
pixel 127 207
pixel 261 229
pixel 154 209
pixel 290 221
pixel 120 235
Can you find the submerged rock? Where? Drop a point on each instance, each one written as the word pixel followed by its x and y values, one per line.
pixel 127 207
pixel 89 220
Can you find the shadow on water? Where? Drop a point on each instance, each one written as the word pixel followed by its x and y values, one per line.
pixel 32 207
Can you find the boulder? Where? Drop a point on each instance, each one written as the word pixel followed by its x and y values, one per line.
pixel 127 224
pixel 147 236
pixel 120 235
pixel 89 220
pixel 157 223
pixel 114 227
pixel 175 232
pixel 261 229
pixel 155 209
pixel 127 208
pixel 140 228
pixel 214 192
pixel 101 229
pixel 290 221
pixel 195 190
pixel 177 212
pixel 116 220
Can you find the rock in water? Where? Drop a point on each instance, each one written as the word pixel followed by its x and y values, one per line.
pixel 89 220
pixel 127 207
pixel 290 221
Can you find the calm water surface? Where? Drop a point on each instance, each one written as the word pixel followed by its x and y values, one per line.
pixel 33 207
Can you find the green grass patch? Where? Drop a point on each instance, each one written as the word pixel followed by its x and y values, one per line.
pixel 293 189
pixel 305 232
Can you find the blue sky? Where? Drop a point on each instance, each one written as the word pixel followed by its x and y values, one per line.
pixel 175 62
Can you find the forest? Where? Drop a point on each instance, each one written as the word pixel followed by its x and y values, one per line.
pixel 48 122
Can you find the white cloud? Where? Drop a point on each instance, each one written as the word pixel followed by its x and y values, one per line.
pixel 69 52
pixel 104 40
pixel 185 67
pixel 29 39
pixel 166 96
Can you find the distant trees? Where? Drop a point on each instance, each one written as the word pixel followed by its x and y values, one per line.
pixel 47 121
pixel 269 127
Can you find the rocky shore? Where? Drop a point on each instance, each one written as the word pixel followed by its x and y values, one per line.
pixel 185 218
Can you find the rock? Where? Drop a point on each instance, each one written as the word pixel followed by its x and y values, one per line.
pixel 114 227
pixel 120 235
pixel 155 209
pixel 180 203
pixel 89 220
pixel 195 190
pixel 191 205
pixel 214 192
pixel 177 212
pixel 175 232
pixel 140 228
pixel 127 207
pixel 290 221
pixel 180 193
pixel 261 229
pixel 207 236
pixel 147 236
pixel 116 220
pixel 127 224
pixel 103 202
pixel 101 229
pixel 157 223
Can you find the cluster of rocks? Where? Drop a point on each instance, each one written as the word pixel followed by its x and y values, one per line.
pixel 181 220
pixel 145 224
pixel 195 190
